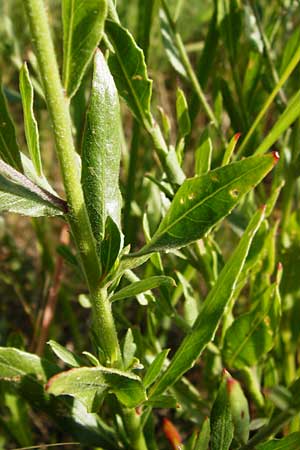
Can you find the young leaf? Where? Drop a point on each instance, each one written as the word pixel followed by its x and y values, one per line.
pixel 155 367
pixel 203 154
pixel 252 335
pixel 168 39
pixel 20 195
pixel 80 18
pixel 202 201
pixel 204 436
pixel 291 442
pixel 129 349
pixel 88 383
pixel 221 420
pixel 30 123
pixel 101 151
pixel 239 410
pixel 9 149
pixel 110 246
pixel 182 113
pixel 209 317
pixel 65 355
pixel 142 286
pixel 129 70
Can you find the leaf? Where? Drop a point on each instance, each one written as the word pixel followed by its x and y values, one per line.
pixel 101 151
pixel 9 149
pixel 230 149
pixel 16 364
pixel 203 201
pixel 239 410
pixel 203 154
pixel 209 317
pixel 142 286
pixel 182 113
pixel 252 335
pixel 88 383
pixel 168 39
pixel 83 25
pixel 110 246
pixel 204 436
pixel 145 23
pixel 155 367
pixel 20 195
pixel 129 70
pixel 221 421
pixel 64 354
pixel 291 442
pixel 129 349
pixel 30 123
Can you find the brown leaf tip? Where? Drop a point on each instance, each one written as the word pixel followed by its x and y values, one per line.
pixel 276 156
pixel 237 136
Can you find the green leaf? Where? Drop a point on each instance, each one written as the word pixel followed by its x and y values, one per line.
pixel 168 39
pixel 83 25
pixel 203 201
pixel 209 317
pixel 203 154
pixel 18 194
pixel 9 149
pixel 291 442
pixel 65 355
pixel 139 287
pixel 30 123
pixel 146 18
pixel 155 367
pixel 239 410
pixel 252 335
pixel 287 118
pixel 110 246
pixel 129 349
pixel 221 420
pixel 204 436
pixel 87 384
pixel 129 70
pixel 101 151
pixel 230 149
pixel 182 113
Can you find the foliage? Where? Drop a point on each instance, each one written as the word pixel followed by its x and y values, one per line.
pixel 161 245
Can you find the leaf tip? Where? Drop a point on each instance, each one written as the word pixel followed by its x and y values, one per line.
pixel 237 136
pixel 276 156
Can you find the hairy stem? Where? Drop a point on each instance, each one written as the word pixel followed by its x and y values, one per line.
pixel 58 107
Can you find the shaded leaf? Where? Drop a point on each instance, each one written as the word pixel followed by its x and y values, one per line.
pixel 129 349
pixel 30 123
pixel 204 436
pixel 221 420
pixel 129 70
pixel 101 151
pixel 87 384
pixel 142 286
pixel 202 201
pixel 291 442
pixel 83 24
pixel 9 149
pixel 210 315
pixel 110 246
pixel 64 354
pixel 155 367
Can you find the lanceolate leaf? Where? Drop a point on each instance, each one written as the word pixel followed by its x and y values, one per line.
pixel 31 127
pixel 291 442
pixel 221 421
pixel 18 194
pixel 83 24
pixel 129 70
pixel 202 201
pixel 88 383
pixel 209 317
pixel 139 287
pixel 101 151
pixel 9 149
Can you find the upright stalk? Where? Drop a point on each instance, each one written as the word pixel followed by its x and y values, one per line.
pixel 58 107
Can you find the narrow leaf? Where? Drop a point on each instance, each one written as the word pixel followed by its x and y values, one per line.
pixel 202 201
pixel 83 24
pixel 291 442
pixel 64 354
pixel 9 149
pixel 110 246
pixel 239 410
pixel 30 123
pixel 221 421
pixel 209 317
pixel 139 287
pixel 18 194
pixel 101 151
pixel 129 70
pixel 203 154
pixel 182 113
pixel 155 367
pixel 204 436
pixel 88 383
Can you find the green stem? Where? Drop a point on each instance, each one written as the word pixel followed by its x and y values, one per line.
pixel 132 423
pixel 58 107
